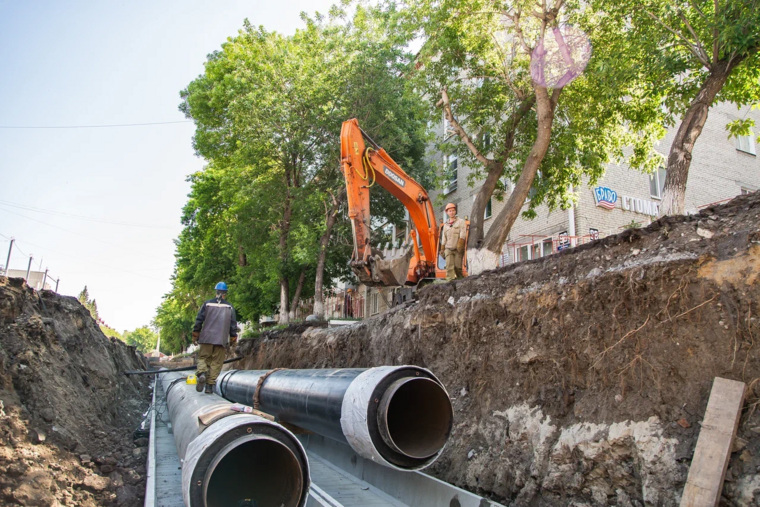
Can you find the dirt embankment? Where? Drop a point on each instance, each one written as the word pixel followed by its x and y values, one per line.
pixel 579 378
pixel 67 412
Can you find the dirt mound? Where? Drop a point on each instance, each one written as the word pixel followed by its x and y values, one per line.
pixel 579 378
pixel 67 412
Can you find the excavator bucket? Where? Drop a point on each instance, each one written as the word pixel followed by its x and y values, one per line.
pixel 383 269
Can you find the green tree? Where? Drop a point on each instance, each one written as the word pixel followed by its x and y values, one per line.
pixel 112 333
pixel 90 304
pixel 174 320
pixel 511 82
pixel 144 338
pixel 692 55
pixel 268 109
pixel 268 91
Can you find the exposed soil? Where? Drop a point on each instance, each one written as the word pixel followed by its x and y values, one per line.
pixel 579 378
pixel 67 412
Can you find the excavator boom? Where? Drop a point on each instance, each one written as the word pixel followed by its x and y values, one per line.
pixel 364 164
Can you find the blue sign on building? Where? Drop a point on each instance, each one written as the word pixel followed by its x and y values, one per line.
pixel 605 197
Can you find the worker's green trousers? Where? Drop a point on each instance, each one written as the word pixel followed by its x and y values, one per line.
pixel 210 361
pixel 453 264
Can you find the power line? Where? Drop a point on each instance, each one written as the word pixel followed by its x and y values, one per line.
pixel 91 261
pixel 88 236
pixel 57 227
pixel 81 217
pixel 92 126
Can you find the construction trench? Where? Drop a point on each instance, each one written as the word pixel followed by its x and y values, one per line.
pixel 582 378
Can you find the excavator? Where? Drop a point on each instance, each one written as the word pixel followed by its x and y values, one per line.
pixel 420 257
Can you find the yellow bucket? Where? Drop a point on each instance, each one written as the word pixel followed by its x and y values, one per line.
pixel 191 379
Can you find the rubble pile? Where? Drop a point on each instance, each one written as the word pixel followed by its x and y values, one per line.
pixel 67 412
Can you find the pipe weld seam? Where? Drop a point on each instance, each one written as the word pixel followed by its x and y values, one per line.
pixel 259 384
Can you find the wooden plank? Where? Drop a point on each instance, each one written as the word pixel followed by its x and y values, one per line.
pixel 710 461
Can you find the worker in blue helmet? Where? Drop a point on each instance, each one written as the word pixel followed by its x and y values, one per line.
pixel 215 329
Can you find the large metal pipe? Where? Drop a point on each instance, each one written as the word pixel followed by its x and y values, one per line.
pixel 399 416
pixel 237 460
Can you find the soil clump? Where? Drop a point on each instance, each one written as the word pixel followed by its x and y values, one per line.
pixel 67 412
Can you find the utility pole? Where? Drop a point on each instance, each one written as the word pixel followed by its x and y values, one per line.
pixel 10 249
pixel 44 279
pixel 56 284
pixel 29 269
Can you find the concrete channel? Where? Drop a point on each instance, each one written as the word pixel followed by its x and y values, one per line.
pixel 339 477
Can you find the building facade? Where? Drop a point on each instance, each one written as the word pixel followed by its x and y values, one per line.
pixel 37 279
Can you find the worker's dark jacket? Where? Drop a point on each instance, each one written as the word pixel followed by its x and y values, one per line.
pixel 216 322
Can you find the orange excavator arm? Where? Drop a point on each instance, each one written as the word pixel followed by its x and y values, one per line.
pixel 364 164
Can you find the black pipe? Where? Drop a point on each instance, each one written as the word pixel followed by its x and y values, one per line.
pixel 238 459
pixel 399 416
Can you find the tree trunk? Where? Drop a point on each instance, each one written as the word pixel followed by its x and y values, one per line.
pixel 331 217
pixel 495 170
pixel 487 257
pixel 297 295
pixel 284 300
pixel 475 235
pixel 679 159
pixel 283 246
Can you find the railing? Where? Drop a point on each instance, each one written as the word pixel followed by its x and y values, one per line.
pixel 344 304
pixel 340 304
pixel 533 247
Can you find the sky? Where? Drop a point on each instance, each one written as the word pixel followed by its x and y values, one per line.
pixel 94 153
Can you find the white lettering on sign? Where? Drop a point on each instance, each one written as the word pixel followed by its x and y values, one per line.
pixel 641 206
pixel 394 177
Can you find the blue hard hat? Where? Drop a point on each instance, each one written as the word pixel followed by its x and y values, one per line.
pixel 221 286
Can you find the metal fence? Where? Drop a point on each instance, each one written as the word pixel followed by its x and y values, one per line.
pixel 340 304
pixel 535 246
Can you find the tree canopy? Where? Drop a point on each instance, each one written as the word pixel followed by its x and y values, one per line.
pixel 90 304
pixel 268 111
pixel 143 338
pixel 528 89
pixel 691 55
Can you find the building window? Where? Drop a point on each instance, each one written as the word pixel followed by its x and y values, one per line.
pixel 746 144
pixel 373 303
pixel 487 214
pixel 657 182
pixel 486 141
pixel 534 187
pixel 452 163
pixel 448 129
pixel 548 247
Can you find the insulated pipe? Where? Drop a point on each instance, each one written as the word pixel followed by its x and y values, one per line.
pixel 398 416
pixel 237 460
